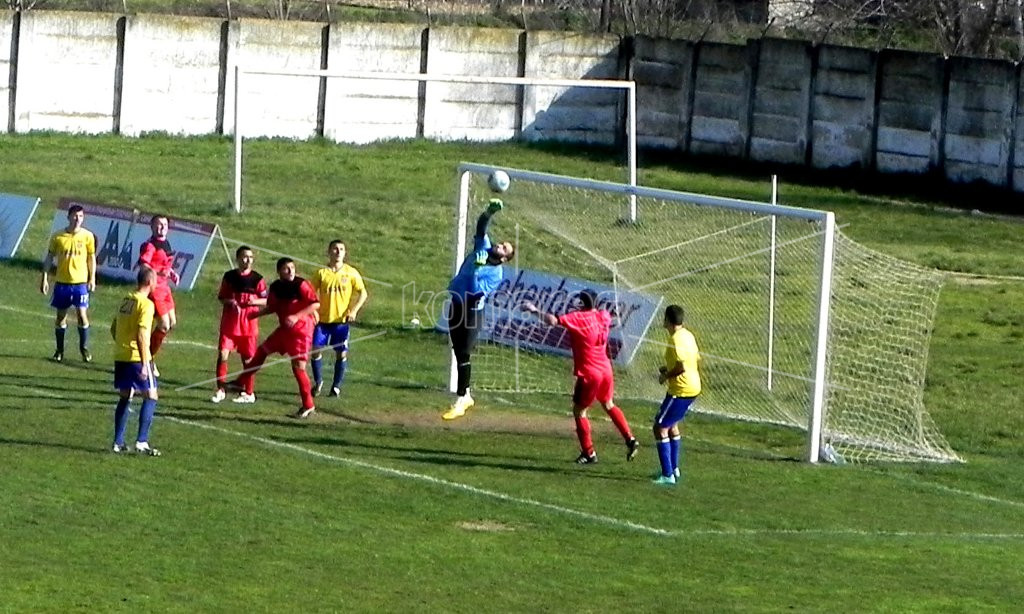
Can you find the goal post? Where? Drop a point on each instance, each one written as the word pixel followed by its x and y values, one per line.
pixel 797 324
pixel 241 74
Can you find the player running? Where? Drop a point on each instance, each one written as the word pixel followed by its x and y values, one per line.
pixel 342 294
pixel 295 302
pixel 588 330
pixel 682 383
pixel 131 332
pixel 73 250
pixel 479 275
pixel 156 253
pixel 243 292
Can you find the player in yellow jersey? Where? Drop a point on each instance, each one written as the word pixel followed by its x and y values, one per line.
pixel 73 252
pixel 131 330
pixel 682 383
pixel 342 294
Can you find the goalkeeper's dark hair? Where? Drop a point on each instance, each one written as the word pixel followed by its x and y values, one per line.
pixel 588 298
pixel 283 261
pixel 674 315
pixel 242 248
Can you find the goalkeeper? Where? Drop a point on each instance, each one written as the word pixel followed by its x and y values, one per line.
pixel 479 275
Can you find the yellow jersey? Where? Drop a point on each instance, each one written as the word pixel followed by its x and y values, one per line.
pixel 682 347
pixel 72 251
pixel 134 314
pixel 335 289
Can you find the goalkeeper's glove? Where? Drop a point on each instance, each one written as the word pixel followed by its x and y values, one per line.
pixel 495 206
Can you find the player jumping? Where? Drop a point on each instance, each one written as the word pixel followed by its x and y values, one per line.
pixel 74 252
pixel 479 275
pixel 156 253
pixel 243 292
pixel 295 302
pixel 588 333
pixel 342 294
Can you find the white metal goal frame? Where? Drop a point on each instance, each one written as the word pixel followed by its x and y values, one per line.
pixel 826 219
pixel 628 87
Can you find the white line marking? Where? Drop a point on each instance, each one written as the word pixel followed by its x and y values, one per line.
pixel 956 491
pixel 432 480
pixel 48 316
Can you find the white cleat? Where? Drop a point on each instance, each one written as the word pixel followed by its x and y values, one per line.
pixel 218 396
pixel 244 397
pixel 305 412
pixel 142 447
pixel 459 408
pixel 119 449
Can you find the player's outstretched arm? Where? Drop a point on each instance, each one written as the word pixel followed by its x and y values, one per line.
pixel 495 205
pixel 548 318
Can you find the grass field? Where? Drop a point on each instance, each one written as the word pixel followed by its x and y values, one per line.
pixel 377 505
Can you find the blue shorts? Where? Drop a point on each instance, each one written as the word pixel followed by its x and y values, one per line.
pixel 334 335
pixel 66 296
pixel 128 375
pixel 672 411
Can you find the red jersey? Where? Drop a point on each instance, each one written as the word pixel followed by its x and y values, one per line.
pixel 237 321
pixel 588 335
pixel 159 256
pixel 288 297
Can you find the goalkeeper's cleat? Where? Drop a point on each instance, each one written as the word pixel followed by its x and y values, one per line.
pixel 318 387
pixel 218 396
pixel 142 447
pixel 632 447
pixel 665 480
pixel 244 398
pixel 86 355
pixel 304 412
pixel 58 356
pixel 458 408
pixel 586 459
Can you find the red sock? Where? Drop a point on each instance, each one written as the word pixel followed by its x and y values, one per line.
pixel 248 378
pixel 305 389
pixel 222 373
pixel 156 340
pixel 583 433
pixel 620 422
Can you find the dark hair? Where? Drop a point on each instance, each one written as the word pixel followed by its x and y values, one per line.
pixel 674 315
pixel 588 298
pixel 73 209
pixel 335 242
pixel 157 217
pixel 242 248
pixel 283 261
pixel 146 276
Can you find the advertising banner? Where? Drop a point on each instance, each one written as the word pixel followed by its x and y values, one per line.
pixel 120 231
pixel 15 214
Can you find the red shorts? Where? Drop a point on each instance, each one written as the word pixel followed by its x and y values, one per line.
pixel 245 345
pixel 290 342
pixel 592 387
pixel 163 301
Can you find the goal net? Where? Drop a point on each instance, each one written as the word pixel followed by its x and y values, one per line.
pixel 798 325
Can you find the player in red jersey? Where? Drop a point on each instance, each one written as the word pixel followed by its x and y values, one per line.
pixel 156 253
pixel 588 330
pixel 243 292
pixel 295 302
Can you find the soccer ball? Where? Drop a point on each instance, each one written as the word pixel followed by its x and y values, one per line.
pixel 498 181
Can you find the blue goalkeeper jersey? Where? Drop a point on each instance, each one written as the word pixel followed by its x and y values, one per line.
pixel 476 279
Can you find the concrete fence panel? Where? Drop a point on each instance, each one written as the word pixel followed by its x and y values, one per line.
pixel 271 105
pixel 472 111
pixel 362 111
pixel 7 49
pixel 909 121
pixel 663 71
pixel 780 110
pixel 66 72
pixel 843 108
pixel 172 75
pixel 979 120
pixel 720 122
pixel 575 114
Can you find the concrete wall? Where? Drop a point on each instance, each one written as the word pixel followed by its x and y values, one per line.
pixel 780 107
pixel 6 35
pixel 843 108
pixel 662 70
pixel 721 101
pixel 979 120
pixel 66 72
pixel 909 112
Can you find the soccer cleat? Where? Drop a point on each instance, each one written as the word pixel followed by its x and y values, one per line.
pixel 86 355
pixel 632 447
pixel 586 459
pixel 665 480
pixel 58 356
pixel 304 412
pixel 317 388
pixel 119 448
pixel 458 408
pixel 142 447
pixel 335 392
pixel 218 396
pixel 677 473
pixel 244 397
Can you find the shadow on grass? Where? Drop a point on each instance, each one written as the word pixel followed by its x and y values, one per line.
pixel 47 444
